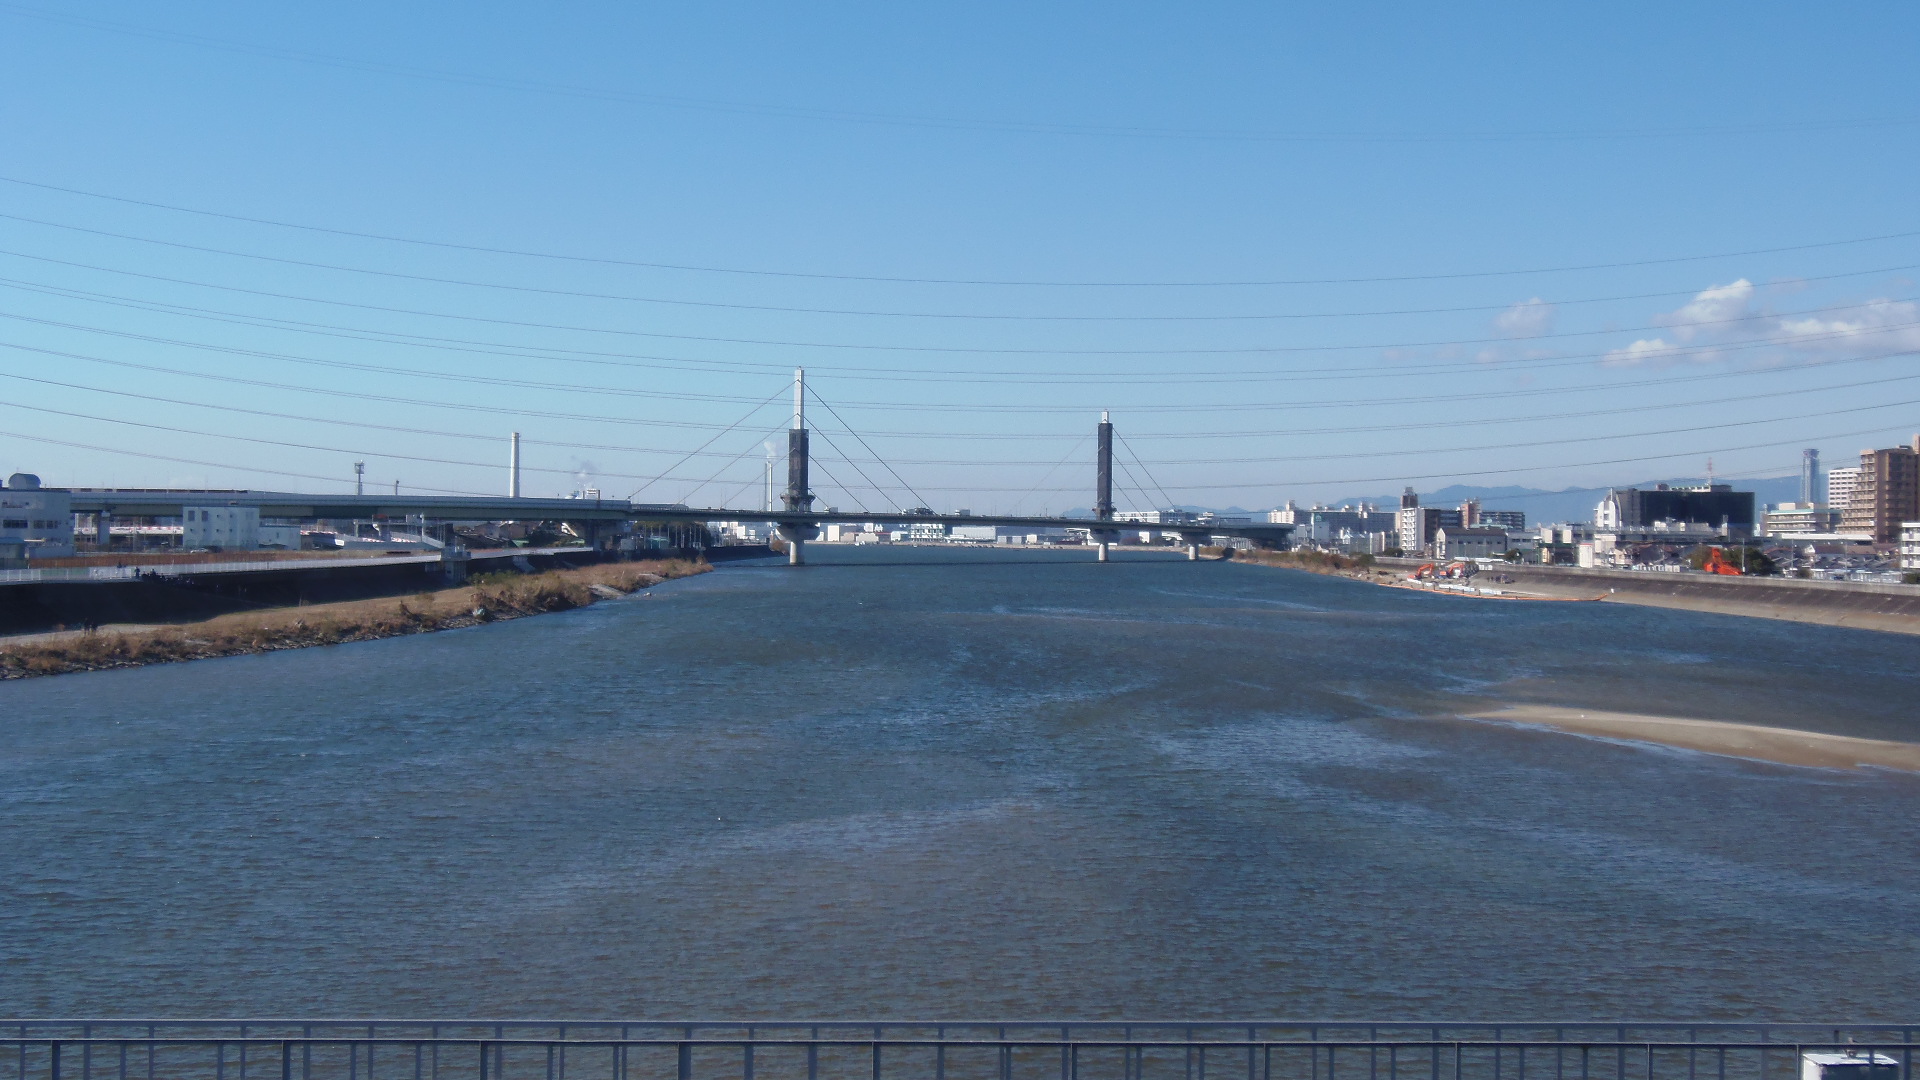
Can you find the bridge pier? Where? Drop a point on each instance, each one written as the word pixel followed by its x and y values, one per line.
pixel 796 537
pixel 1102 548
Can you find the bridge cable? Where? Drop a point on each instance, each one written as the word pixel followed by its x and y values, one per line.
pixel 821 464
pixel 1135 489
pixel 824 437
pixel 743 419
pixel 728 464
pixel 1048 475
pixel 1144 470
pixel 920 500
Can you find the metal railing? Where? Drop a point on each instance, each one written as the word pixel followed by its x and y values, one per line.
pixel 118 1049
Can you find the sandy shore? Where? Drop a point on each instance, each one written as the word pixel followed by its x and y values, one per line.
pixel 1785 746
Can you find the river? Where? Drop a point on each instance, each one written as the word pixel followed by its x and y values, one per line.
pixel 918 783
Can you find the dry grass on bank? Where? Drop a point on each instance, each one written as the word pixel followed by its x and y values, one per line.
pixel 1318 562
pixel 488 598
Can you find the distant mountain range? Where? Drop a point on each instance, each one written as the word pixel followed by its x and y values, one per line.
pixel 1567 504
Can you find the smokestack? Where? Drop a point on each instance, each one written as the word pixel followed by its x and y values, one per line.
pixel 1809 475
pixel 513 469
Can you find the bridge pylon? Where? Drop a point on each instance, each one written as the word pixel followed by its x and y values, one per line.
pixel 798 496
pixel 1103 485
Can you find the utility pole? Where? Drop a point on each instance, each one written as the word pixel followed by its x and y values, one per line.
pixel 1103 483
pixel 766 500
pixel 359 478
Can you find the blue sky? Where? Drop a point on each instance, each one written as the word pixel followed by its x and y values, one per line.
pixel 1299 252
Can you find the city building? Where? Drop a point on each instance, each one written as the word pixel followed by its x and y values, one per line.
pixel 35 521
pixel 1717 506
pixel 1910 545
pixel 1417 524
pixel 1461 542
pixel 1886 492
pixel 1511 520
pixel 1800 519
pixel 226 527
pixel 1840 485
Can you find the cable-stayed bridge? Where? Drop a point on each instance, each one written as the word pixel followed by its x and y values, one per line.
pixel 796 520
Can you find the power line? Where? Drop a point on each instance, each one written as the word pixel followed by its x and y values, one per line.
pixel 734 306
pixel 1351 403
pixel 1381 279
pixel 1677 352
pixel 559 387
pixel 627 361
pixel 701 450
pixel 855 346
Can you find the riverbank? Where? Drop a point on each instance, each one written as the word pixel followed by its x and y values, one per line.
pixel 492 598
pixel 1893 609
pixel 1784 746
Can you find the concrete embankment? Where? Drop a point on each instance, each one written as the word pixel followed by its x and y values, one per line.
pixel 147 590
pixel 1890 608
pixel 490 599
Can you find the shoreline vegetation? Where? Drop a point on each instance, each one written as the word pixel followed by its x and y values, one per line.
pixel 1782 746
pixel 1357 567
pixel 488 598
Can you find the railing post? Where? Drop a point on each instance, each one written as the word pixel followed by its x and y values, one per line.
pixel 286 1061
pixel 686 1061
pixel 876 1059
pixel 484 1051
pixel 53 1065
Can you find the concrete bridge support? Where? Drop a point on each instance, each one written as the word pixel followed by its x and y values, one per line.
pixel 1103 484
pixel 796 537
pixel 798 495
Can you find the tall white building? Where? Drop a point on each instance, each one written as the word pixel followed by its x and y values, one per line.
pixel 1840 486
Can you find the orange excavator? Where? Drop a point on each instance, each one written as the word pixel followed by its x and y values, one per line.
pixel 1717 564
pixel 1431 571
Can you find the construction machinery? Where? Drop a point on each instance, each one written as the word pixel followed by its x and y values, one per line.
pixel 1717 564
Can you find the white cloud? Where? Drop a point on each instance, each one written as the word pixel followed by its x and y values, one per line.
pixel 1726 322
pixel 1644 351
pixel 1712 311
pixel 1876 326
pixel 1528 318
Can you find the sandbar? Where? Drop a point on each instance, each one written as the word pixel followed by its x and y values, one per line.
pixel 1785 746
